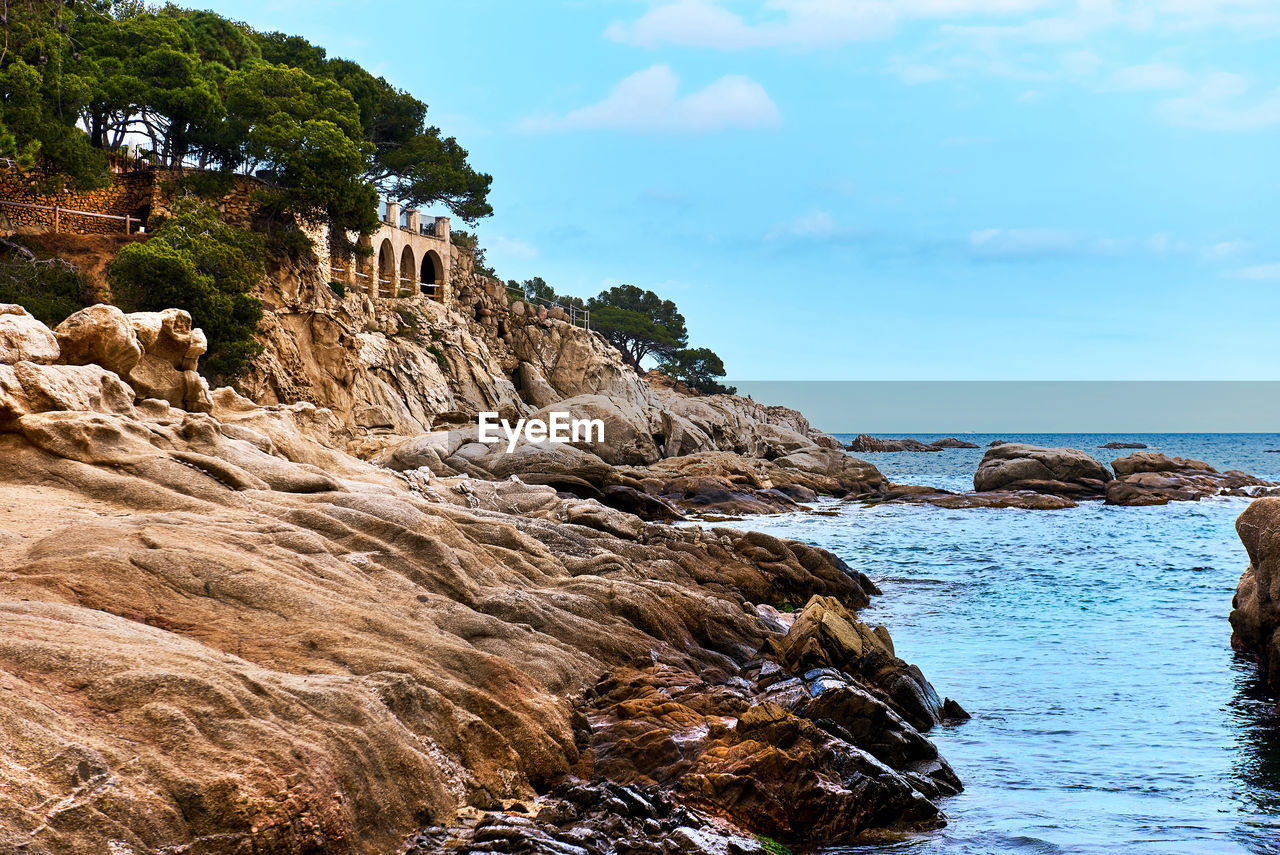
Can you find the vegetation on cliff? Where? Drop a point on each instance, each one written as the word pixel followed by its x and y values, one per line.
pixel 197 262
pixel 78 79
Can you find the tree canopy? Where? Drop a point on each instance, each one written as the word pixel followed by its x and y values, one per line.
pixel 698 367
pixel 81 78
pixel 639 323
pixel 195 261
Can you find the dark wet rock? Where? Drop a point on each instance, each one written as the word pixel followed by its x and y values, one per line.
pixel 1065 472
pixel 1125 445
pixel 579 818
pixel 1151 478
pixel 904 494
pixel 993 443
pixel 1255 615
pixel 870 444
pixel 650 508
pixel 952 442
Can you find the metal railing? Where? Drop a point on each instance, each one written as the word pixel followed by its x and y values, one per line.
pixel 579 316
pixel 58 211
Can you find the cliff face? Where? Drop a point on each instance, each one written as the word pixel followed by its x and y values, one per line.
pixel 1255 615
pixel 310 623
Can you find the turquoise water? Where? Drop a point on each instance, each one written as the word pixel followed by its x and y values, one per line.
pixel 1091 646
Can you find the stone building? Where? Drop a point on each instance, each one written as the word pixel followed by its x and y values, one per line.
pixel 404 257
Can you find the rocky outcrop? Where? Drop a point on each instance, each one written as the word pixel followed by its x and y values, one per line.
pixel 919 495
pixel 223 633
pixel 1151 478
pixel 1063 472
pixel 1255 614
pixel 733 484
pixel 23 338
pixel 864 443
pixel 156 353
pixel 952 442
pixel 1114 445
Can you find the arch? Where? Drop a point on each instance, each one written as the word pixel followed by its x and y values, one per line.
pixel 404 284
pixel 387 272
pixel 432 274
pixel 362 263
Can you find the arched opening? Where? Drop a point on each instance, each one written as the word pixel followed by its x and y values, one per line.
pixel 404 287
pixel 432 274
pixel 363 259
pixel 386 270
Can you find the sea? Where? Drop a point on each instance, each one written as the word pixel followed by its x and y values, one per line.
pixel 1090 645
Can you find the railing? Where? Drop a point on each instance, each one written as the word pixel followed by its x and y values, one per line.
pixel 58 211
pixel 579 316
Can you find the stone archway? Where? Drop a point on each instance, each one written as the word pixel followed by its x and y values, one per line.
pixel 404 284
pixel 432 276
pixel 387 273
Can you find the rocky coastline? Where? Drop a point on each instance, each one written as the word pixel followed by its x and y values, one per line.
pixel 270 626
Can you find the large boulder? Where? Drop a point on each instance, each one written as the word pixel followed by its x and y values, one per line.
pixel 1056 471
pixel 1255 615
pixel 627 436
pixel 171 350
pixel 1151 478
pixel 23 338
pixel 28 388
pixel 101 335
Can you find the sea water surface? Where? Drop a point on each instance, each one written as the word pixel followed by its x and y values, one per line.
pixel 1091 646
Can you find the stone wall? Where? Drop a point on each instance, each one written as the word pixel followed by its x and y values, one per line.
pixel 129 194
pixel 139 194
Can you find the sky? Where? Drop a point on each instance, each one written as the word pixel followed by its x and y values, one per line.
pixel 872 189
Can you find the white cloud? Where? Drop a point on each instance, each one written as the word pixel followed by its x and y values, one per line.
pixel 1154 75
pixel 815 224
pixel 1221 103
pixel 650 101
pixel 795 23
pixel 1030 96
pixel 1022 243
pixel 913 74
pixel 1256 273
pixel 1225 249
pixel 511 248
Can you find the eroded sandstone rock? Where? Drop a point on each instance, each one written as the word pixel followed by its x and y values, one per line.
pixel 23 338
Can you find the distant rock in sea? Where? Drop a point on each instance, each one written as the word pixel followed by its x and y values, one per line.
pixel 952 442
pixel 870 444
pixel 1125 445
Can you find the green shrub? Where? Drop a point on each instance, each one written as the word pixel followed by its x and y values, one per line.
pixel 338 288
pixel 772 846
pixel 48 290
pixel 194 261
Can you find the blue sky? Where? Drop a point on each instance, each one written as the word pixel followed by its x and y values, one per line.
pixel 873 189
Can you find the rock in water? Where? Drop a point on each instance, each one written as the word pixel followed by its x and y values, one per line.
pixel 1124 445
pixel 1255 615
pixel 1057 471
pixel 865 444
pixel 952 442
pixel 1151 478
